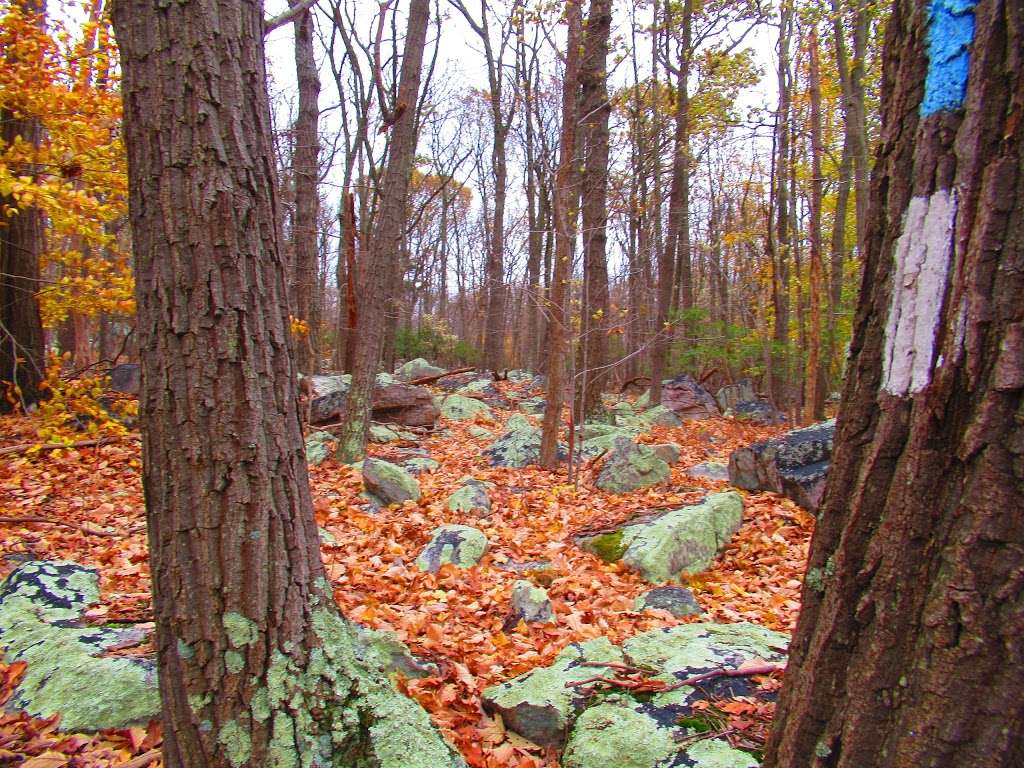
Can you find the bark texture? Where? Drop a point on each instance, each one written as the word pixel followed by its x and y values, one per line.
pixel 256 666
pixel 910 642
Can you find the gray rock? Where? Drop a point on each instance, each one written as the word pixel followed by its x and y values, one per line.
pixel 416 369
pixel 533 406
pixel 318 448
pixel 679 601
pixel 388 483
pixel 457 407
pixel 630 467
pixel 665 545
pixel 519 446
pixel 392 402
pixel 41 605
pixel 531 603
pixel 480 432
pixel 382 434
pixel 381 649
pixel 471 497
pixel 667 452
pixel 460 545
pixel 688 399
pixel 795 464
pixel 709 470
pixel 659 416
pixel 741 392
pixel 419 464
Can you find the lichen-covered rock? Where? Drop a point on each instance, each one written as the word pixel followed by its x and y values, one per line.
pixel 519 375
pixel 794 464
pixel 41 603
pixel 741 392
pixel 461 408
pixel 460 545
pixel 318 448
pixel 709 470
pixel 519 446
pixel 685 540
pixel 531 603
pixel 667 452
pixel 537 705
pixel 618 734
pixel 388 483
pixel 591 430
pixel 382 649
pixel 326 537
pixel 485 390
pixel 630 467
pixel 416 369
pixel 419 464
pixel 392 402
pixel 679 601
pixel 688 399
pixel 533 406
pixel 471 497
pixel 758 412
pixel 382 434
pixel 480 433
pixel 659 416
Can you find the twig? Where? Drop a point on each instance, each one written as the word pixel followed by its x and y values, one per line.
pixel 627 677
pixel 41 519
pixel 26 447
pixel 142 760
pixel 745 670
pixel 435 377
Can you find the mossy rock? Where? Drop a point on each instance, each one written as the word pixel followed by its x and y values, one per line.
pixel 459 545
pixel 471 497
pixel 419 464
pixel 382 434
pixel 679 601
pixel 667 452
pixel 460 408
pixel 660 416
pixel 480 433
pixel 608 546
pixel 388 483
pixel 630 467
pixel 533 406
pixel 318 448
pixel 41 604
pixel 416 369
pixel 531 603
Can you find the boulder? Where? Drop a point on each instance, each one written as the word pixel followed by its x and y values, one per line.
pixel 318 447
pixel 126 378
pixel 41 605
pixel 757 411
pixel 665 545
pixel 471 497
pixel 679 601
pixel 519 446
pixel 518 375
pixel 387 483
pixel 484 389
pixel 460 545
pixel 709 470
pixel 381 649
pixel 480 433
pixel 794 464
pixel 630 467
pixel 741 392
pixel 685 396
pixel 393 402
pixel 461 408
pixel 382 434
pixel 420 464
pixel 659 416
pixel 531 603
pixel 667 452
pixel 416 369
pixel 646 731
pixel 600 443
pixel 533 406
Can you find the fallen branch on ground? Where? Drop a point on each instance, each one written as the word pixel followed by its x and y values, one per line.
pixel 437 376
pixel 634 679
pixel 51 521
pixel 26 447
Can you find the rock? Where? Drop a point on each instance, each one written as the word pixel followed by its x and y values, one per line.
pixel 383 650
pixel 41 604
pixel 416 369
pixel 531 603
pixel 709 470
pixel 381 434
pixel 622 731
pixel 460 545
pixel 533 406
pixel 318 448
pixel 519 446
pixel 593 447
pixel 519 375
pixel 592 430
pixel 326 537
pixel 630 467
pixel 393 402
pixel 480 432
pixel 741 392
pixel 471 497
pixel 757 411
pixel 685 396
pixel 659 416
pixel 126 378
pixel 685 540
pixel 388 483
pixel 419 464
pixel 485 390
pixel 679 601
pixel 537 705
pixel 794 464
pixel 462 408
pixel 667 452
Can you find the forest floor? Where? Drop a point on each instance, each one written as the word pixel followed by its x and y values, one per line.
pixel 91 503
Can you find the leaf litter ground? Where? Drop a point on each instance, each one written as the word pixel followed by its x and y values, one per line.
pixel 454 618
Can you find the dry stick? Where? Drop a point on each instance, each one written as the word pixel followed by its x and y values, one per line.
pixel 435 377
pixel 50 520
pixel 26 447
pixel 142 760
pixel 744 671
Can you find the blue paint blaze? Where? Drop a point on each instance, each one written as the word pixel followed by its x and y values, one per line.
pixel 950 33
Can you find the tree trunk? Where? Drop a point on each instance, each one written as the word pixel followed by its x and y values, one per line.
pixel 386 242
pixel 306 171
pixel 814 400
pixel 22 345
pixel 256 665
pixel 567 196
pixel 911 632
pixel 595 109
pixel 780 381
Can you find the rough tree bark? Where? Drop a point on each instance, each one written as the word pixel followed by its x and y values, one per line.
pixel 306 171
pixel 256 665
pixel 22 346
pixel 814 379
pixel 385 242
pixel 567 196
pixel 909 645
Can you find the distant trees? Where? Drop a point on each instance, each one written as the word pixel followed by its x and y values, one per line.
pixel 912 604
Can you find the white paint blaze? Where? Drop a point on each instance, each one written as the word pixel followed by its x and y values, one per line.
pixel 923 254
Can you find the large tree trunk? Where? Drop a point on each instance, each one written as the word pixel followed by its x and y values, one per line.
pixel 22 345
pixel 814 400
pixel 567 196
pixel 306 170
pixel 386 242
pixel 909 645
pixel 595 109
pixel 256 665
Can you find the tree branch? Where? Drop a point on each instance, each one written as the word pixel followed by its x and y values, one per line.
pixel 274 22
